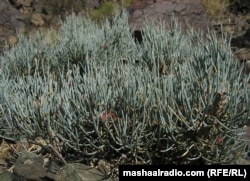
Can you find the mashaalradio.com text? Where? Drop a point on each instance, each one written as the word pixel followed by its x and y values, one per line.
pixel 159 172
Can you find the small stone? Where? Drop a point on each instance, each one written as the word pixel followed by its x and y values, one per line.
pixel 26 10
pixel 3 6
pixel 12 40
pixel 26 2
pixel 229 29
pixel 243 54
pixel 92 4
pixel 138 13
pixel 89 173
pixel 68 172
pixel 29 166
pixel 247 67
pixel 17 22
pixel 37 19
pixel 196 11
pixel 22 2
pixel 180 8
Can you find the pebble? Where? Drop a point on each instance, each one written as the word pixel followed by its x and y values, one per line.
pixel 37 19
pixel 12 40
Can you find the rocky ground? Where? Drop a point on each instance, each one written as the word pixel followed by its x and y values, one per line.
pixel 27 16
pixel 235 22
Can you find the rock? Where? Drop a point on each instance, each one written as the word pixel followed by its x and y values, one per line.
pixel 185 11
pixel 26 2
pixel 92 3
pixel 90 173
pixel 242 41
pixel 12 40
pixel 24 6
pixel 3 6
pixel 243 55
pixel 29 166
pixel 16 23
pixel 80 172
pixel 40 8
pixel 229 28
pixel 26 10
pixel 138 13
pixel 179 8
pixel 37 19
pixel 68 172
pixel 18 3
pixel 3 18
pixel 247 67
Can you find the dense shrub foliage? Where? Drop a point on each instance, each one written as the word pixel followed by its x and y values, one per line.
pixel 91 91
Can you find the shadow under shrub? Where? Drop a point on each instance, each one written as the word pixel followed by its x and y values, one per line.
pixel 176 98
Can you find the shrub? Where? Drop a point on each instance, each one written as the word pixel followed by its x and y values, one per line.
pixel 176 98
pixel 216 8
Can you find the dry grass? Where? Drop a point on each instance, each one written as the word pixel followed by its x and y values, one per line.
pixel 108 8
pixel 215 8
